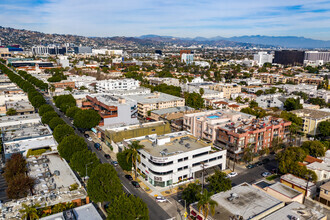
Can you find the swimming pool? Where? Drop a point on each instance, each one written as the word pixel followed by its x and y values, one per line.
pixel 213 116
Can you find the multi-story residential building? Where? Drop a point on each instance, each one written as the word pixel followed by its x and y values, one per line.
pixel 114 110
pixel 263 57
pixel 176 157
pixel 324 197
pixel 311 119
pixel 251 132
pixel 106 86
pixel 204 125
pixel 82 80
pixel 244 96
pixel 271 78
pixel 170 113
pixel 168 81
pixel 227 89
pixel 187 58
pixel 317 56
pixel 249 81
pixel 156 100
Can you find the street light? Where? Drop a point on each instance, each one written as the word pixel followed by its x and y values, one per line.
pixel 86 177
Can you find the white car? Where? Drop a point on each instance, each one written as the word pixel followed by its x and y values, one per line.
pixel 161 199
pixel 265 174
pixel 232 174
pixel 90 139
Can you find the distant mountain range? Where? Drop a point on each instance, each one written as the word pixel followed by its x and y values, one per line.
pixel 28 38
pixel 282 41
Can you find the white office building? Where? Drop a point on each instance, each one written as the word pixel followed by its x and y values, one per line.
pixel 176 157
pixel 263 57
pixel 187 58
pixel 106 86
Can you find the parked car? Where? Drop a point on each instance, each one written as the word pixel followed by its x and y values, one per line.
pixel 129 177
pixel 86 135
pixel 1 172
pixel 107 156
pixel 259 163
pixel 115 163
pixel 265 174
pixel 232 174
pixel 250 166
pixel 90 139
pixel 98 146
pixel 136 184
pixel 161 199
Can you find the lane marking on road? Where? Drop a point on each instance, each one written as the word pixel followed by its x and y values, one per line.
pixel 126 188
pixel 169 201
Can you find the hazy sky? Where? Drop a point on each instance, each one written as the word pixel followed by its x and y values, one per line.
pixel 182 18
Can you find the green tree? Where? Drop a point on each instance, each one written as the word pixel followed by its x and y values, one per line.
pixel 56 121
pixel 44 109
pixel 19 186
pixel 324 128
pixel 201 91
pixel 86 119
pixel 219 182
pixel 15 165
pixel 292 104
pixel 194 100
pixel 277 144
pixel 132 154
pixel 248 154
pixel 123 162
pixel 259 92
pixel 206 204
pixel 128 207
pixel 79 160
pixel 11 111
pixel 70 112
pixel 191 193
pixel 62 131
pixel 104 184
pixel 38 101
pixel 48 116
pixel 64 102
pixel 29 212
pixel 253 104
pixel 314 148
pixel 70 145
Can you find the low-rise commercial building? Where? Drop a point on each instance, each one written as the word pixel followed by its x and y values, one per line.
pixel 176 157
pixel 170 113
pixel 241 202
pixel 21 108
pixel 114 110
pixel 299 184
pixel 113 135
pixel 64 84
pixel 156 100
pixel 311 119
pixel 324 197
pixel 15 120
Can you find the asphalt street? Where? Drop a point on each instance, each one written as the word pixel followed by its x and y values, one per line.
pixel 155 211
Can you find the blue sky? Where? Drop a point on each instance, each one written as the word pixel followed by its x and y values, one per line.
pixel 182 18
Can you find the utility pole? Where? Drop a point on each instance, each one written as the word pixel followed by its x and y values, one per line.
pixel 234 162
pixel 306 190
pixel 203 166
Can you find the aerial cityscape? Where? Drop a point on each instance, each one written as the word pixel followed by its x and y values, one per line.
pixel 164 110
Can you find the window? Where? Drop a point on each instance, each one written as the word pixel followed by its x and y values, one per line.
pixel 196 164
pixel 185 176
pixel 200 154
pixel 143 156
pixel 161 164
pixel 180 160
pixel 153 129
pixel 143 165
pixel 161 173
pixel 180 169
pixel 186 158
pixel 212 159
pixel 219 157
pixel 185 167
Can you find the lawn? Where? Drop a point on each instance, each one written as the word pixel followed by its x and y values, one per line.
pixel 272 177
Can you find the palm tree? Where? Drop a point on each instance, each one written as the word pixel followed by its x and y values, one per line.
pixel 248 153
pixel 206 204
pixel 133 154
pixel 29 212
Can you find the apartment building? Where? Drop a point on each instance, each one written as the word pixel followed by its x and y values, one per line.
pixel 311 119
pixel 227 89
pixel 106 86
pixel 156 100
pixel 82 80
pixel 324 197
pixel 204 125
pixel 176 157
pixel 251 132
pixel 114 110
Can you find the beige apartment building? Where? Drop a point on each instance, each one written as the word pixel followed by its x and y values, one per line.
pixel 155 101
pixel 227 89
pixel 311 119
pixel 324 194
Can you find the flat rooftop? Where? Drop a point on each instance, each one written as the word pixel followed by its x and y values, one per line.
pixel 169 144
pixel 285 190
pixel 84 212
pixel 244 200
pixel 155 97
pixel 172 110
pixel 109 99
pixel 25 131
pixel 297 181
pixel 19 106
pixel 297 210
pixel 133 127
pixel 19 118
pixel 311 113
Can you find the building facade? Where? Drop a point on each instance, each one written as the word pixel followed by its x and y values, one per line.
pixel 106 86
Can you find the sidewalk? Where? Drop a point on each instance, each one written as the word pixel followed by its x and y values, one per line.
pixel 105 148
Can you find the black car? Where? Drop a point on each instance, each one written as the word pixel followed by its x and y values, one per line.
pixel 86 135
pixel 2 171
pixel 129 177
pixel 107 156
pixel 259 163
pixel 250 166
pixel 136 184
